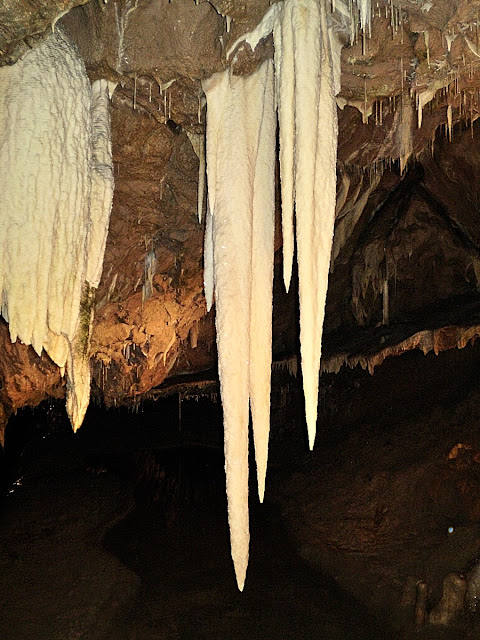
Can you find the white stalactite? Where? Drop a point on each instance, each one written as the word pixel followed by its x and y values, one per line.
pixel 315 184
pixel 78 362
pixel 404 129
pixel 285 96
pixel 102 182
pixel 101 196
pixel 208 259
pixel 229 202
pixel 44 168
pixel 240 175
pixel 201 177
pixel 307 77
pixel 263 247
pixel 56 183
pixel 197 141
pixel 365 10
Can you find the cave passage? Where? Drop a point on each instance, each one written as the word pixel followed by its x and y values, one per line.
pixel 178 544
pixel 120 532
pixel 163 567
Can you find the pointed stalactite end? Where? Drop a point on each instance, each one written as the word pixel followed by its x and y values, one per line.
pixel 261 488
pixel 287 277
pixel 312 430
pixel 241 572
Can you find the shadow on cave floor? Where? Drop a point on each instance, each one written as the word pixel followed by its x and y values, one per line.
pixel 188 586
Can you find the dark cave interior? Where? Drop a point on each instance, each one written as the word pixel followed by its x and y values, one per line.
pixel 380 504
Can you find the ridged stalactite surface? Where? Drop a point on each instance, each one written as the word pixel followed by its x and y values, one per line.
pixel 57 185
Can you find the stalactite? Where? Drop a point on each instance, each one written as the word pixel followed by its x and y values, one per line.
pixel 426 35
pixel 404 132
pixel 43 171
pixel 424 97
pixel 102 181
pixel 57 185
pixel 201 177
pixel 449 122
pixel 263 232
pixel 208 259
pixel 198 144
pixel 285 93
pixel 240 178
pixel 148 274
pixel 78 361
pixel 385 302
pixel 315 185
pixel 193 334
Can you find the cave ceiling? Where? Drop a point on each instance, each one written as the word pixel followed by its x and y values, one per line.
pixel 406 255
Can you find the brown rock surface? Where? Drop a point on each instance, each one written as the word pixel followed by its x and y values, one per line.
pixel 137 336
pixel 390 492
pixel 167 40
pixel 23 23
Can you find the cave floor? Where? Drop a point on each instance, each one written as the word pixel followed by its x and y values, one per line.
pixel 79 559
pixel 155 574
pixel 99 551
pixel 188 589
pixel 56 581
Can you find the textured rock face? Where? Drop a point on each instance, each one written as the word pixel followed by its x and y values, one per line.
pixel 23 24
pixel 151 293
pixel 151 296
pixel 167 40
